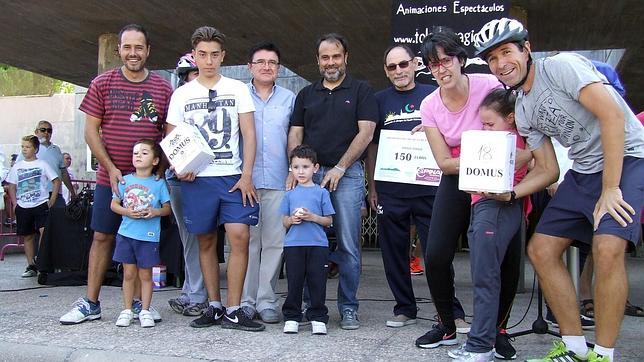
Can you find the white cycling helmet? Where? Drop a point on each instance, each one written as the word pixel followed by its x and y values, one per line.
pixel 497 32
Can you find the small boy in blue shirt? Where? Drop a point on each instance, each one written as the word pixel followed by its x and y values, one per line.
pixel 307 209
pixel 142 200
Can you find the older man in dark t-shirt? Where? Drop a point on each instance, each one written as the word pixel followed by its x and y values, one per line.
pixel 337 116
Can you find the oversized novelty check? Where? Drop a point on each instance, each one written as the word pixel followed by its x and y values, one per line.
pixel 406 158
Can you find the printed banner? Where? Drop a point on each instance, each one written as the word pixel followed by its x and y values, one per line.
pixel 412 21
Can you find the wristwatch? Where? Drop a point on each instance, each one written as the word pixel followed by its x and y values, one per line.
pixel 513 197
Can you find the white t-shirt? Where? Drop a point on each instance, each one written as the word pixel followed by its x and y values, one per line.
pixel 31 179
pixel 219 125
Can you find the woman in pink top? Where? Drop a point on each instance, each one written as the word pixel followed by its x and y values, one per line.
pixel 446 113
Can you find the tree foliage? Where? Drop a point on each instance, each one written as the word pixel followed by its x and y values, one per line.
pixel 18 82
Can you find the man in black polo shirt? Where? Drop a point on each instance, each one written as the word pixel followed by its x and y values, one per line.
pixel 337 116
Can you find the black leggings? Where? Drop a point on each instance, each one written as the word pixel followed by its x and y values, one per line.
pixel 450 219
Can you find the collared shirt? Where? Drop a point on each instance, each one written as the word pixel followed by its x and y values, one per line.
pixel 271 129
pixel 54 158
pixel 330 116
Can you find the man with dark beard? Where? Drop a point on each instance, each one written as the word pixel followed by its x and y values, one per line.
pixel 125 104
pixel 337 116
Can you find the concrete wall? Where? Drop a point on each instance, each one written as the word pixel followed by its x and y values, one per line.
pixel 20 116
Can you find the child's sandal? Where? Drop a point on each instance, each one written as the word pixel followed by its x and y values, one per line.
pixel 587 308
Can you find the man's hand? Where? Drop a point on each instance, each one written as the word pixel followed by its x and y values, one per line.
pixel 186 177
pixel 249 194
pixel 131 213
pixel 115 178
pixel 332 179
pixel 373 199
pixel 149 213
pixel 291 182
pixel 612 202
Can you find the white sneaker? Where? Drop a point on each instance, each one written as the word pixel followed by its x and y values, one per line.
pixel 461 355
pixel 125 318
pixel 291 327
pixel 146 319
pixel 318 328
pixel 137 305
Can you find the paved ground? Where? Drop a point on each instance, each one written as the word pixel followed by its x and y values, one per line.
pixel 29 328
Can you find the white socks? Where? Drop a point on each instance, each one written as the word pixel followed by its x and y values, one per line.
pixel 576 344
pixel 603 351
pixel 216 304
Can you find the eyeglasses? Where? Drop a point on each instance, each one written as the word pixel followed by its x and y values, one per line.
pixel 43 130
pixel 445 62
pixel 403 65
pixel 263 62
pixel 212 105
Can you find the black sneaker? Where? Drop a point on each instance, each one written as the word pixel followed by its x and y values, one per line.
pixel 211 317
pixel 437 336
pixel 502 347
pixel 586 323
pixel 239 320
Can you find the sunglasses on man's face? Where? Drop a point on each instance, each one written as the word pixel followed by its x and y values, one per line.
pixel 43 130
pixel 403 65
pixel 212 95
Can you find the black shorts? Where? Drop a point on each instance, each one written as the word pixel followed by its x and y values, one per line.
pixel 30 219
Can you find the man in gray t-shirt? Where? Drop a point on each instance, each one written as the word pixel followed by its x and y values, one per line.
pixel 600 200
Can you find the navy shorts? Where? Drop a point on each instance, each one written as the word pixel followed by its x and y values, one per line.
pixel 144 254
pixel 104 220
pixel 30 219
pixel 207 203
pixel 570 212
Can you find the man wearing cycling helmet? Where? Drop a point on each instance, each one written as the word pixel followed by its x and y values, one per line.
pixel 565 97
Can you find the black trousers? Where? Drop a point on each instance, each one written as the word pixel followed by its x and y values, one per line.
pixel 394 222
pixel 306 264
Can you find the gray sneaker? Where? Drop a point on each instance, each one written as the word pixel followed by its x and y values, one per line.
pixel 250 312
pixel 195 309
pixel 400 320
pixel 461 355
pixel 349 319
pixel 269 316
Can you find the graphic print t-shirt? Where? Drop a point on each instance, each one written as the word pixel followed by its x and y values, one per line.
pixel 552 109
pixel 140 194
pixel 128 112
pixel 31 179
pixel 215 112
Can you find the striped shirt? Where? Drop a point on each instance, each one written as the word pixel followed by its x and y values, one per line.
pixel 128 112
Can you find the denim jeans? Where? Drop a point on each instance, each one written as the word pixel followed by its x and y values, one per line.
pixel 347 200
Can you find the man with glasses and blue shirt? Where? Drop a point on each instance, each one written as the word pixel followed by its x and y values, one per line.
pixel 223 192
pixel 336 116
pixel 273 107
pixel 52 154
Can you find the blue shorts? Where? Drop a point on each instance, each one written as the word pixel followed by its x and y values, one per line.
pixel 144 254
pixel 207 204
pixel 104 220
pixel 570 212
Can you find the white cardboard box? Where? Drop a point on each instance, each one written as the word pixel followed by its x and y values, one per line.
pixel 186 149
pixel 487 161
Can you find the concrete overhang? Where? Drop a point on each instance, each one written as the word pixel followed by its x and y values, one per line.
pixel 60 38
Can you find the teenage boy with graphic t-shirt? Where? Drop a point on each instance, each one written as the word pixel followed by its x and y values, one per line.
pixel 222 193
